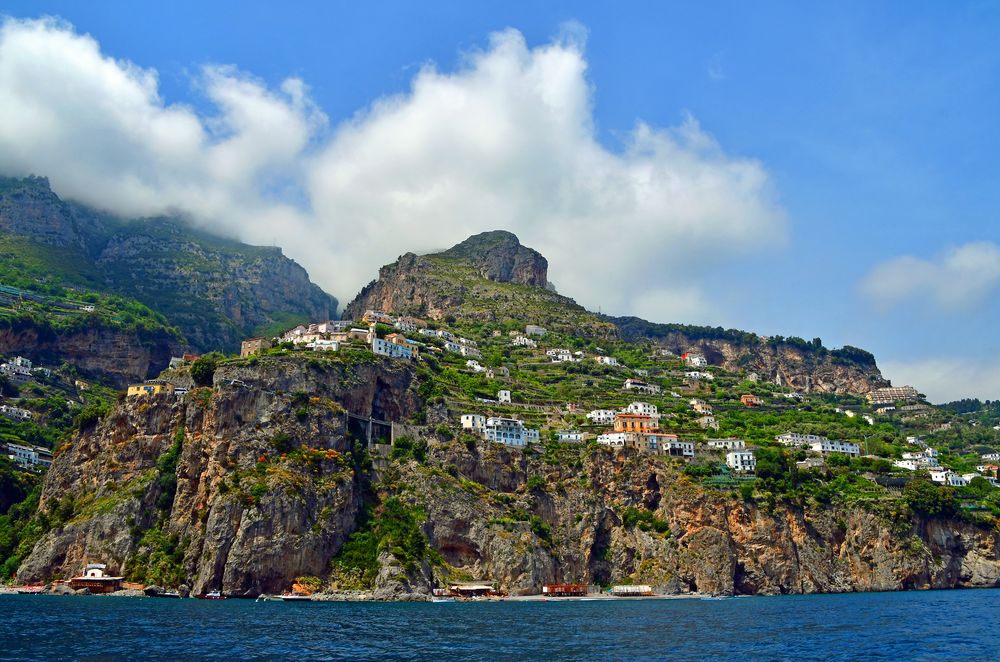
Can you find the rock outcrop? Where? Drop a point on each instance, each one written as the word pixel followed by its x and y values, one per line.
pixel 113 354
pixel 499 256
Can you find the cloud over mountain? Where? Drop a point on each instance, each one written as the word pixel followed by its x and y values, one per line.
pixel 507 140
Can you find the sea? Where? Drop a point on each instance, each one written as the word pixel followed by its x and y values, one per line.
pixel 938 625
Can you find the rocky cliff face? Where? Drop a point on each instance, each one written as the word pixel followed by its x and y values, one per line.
pixel 267 489
pixel 800 365
pixel 113 354
pixel 499 256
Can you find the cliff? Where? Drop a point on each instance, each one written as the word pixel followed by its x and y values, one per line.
pixel 804 366
pixel 267 484
pixel 215 290
pixel 113 353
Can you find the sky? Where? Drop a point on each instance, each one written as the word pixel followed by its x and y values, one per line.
pixel 825 171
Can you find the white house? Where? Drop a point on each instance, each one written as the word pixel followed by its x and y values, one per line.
pixel 675 447
pixel 473 421
pixel 570 436
pixel 15 413
pixel 742 461
pixel 391 349
pixel 992 457
pixel 602 416
pixel 509 431
pixel 522 341
pixel 503 396
pixel 696 375
pixel 833 446
pixel 560 355
pixel 607 360
pixel 695 360
pixel 643 408
pixel 474 366
pixel 322 345
pixel 641 386
pixel 613 439
pixel 469 350
pixel 727 444
pixel 798 439
pixel 29 456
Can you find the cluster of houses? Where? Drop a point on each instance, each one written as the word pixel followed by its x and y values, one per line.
pixel 28 457
pixel 818 444
pixel 20 370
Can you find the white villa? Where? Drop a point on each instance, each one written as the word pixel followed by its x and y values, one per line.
pixel 503 396
pixel 523 341
pixel 727 444
pixel 607 360
pixel 602 416
pixel 570 436
pixel 742 461
pixel 15 413
pixel 641 386
pixel 391 349
pixel 643 408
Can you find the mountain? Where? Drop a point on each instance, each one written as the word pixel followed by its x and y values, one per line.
pixel 216 291
pixel 491 278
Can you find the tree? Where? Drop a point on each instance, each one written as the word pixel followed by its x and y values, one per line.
pixel 203 370
pixel 927 499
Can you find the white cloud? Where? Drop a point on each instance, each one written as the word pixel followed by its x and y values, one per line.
pixel 957 279
pixel 948 379
pixel 508 140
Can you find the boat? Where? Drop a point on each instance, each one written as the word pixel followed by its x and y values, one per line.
pixel 31 589
pixel 211 595
pixel 166 594
pixel 295 597
pixel 442 599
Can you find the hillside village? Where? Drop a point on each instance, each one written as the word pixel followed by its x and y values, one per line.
pixel 693 411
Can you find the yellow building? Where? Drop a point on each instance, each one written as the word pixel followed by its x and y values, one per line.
pixel 153 387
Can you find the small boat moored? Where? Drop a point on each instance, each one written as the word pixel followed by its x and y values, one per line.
pixel 211 595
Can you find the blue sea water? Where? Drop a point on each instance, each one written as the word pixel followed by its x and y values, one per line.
pixel 862 626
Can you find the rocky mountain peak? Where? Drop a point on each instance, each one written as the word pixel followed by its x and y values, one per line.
pixel 501 257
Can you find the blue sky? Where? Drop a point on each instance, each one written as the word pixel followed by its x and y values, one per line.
pixel 873 123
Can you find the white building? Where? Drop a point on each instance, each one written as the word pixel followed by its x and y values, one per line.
pixel 391 349
pixel 833 446
pixel 643 408
pixel 509 431
pixel 503 396
pixel 992 457
pixel 570 436
pixel 670 445
pixel 560 355
pixel 696 375
pixel 742 461
pixel 798 439
pixel 522 341
pixel 602 416
pixel 613 439
pixel 474 366
pixel 607 360
pixel 29 457
pixel 322 345
pixel 15 413
pixel 641 386
pixel 727 444
pixel 498 373
pixel 469 350
pixel 695 360
pixel 473 421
